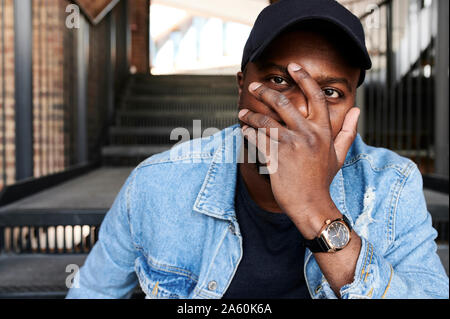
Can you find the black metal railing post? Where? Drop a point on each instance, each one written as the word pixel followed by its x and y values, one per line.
pixel 390 77
pixel 3 97
pixel 82 78
pixel 442 87
pixel 24 88
pixel 406 92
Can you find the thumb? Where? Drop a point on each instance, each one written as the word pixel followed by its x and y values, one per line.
pixel 347 135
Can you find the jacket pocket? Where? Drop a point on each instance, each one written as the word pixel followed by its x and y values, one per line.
pixel 163 281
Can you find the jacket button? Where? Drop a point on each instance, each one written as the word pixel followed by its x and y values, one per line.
pixel 212 285
pixel 233 229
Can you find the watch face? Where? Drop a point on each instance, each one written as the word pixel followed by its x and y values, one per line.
pixel 338 235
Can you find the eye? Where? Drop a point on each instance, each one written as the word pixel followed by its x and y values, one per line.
pixel 332 93
pixel 278 80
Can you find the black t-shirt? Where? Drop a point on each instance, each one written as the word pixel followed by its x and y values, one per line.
pixel 272 261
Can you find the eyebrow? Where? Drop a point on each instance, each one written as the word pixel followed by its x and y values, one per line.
pixel 321 79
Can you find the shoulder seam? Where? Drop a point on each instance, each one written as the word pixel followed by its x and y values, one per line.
pixel 175 160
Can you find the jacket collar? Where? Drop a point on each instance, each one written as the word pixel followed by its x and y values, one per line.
pixel 216 196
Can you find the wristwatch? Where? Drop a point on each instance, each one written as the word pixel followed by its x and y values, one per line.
pixel 334 236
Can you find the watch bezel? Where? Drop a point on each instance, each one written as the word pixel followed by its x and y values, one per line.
pixel 327 240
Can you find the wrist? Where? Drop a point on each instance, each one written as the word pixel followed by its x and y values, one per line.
pixel 311 219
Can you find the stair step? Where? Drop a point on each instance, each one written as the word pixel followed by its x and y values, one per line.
pixel 134 150
pixel 146 135
pixel 219 123
pixel 210 83
pixel 184 84
pixel 157 130
pixel 175 119
pixel 158 89
pixel 36 275
pixel 129 155
pixel 184 79
pixel 184 113
pixel 196 103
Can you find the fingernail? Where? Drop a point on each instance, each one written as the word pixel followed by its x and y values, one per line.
pixel 244 127
pixel 294 67
pixel 254 86
pixel 242 112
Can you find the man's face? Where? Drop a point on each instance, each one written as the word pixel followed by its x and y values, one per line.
pixel 319 57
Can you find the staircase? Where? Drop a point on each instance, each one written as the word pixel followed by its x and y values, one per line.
pixel 153 106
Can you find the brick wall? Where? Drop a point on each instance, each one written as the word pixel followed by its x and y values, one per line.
pixel 139 20
pixel 70 97
pixel 7 164
pixel 55 81
pixel 48 79
pixel 54 89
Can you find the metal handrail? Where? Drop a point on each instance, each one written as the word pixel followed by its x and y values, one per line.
pixel 399 101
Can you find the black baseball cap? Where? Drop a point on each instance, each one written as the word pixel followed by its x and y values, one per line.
pixel 278 17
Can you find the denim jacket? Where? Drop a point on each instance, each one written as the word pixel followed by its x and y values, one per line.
pixel 172 228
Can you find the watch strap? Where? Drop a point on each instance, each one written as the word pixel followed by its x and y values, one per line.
pixel 316 245
pixel 347 222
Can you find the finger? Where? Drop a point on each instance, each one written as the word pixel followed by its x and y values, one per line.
pixel 255 138
pixel 250 135
pixel 273 129
pixel 317 101
pixel 267 148
pixel 300 102
pixel 267 111
pixel 280 104
pixel 347 135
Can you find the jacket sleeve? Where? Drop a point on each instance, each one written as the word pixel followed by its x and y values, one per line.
pixel 108 271
pixel 410 267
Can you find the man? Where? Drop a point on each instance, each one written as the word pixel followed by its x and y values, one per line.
pixel 335 218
